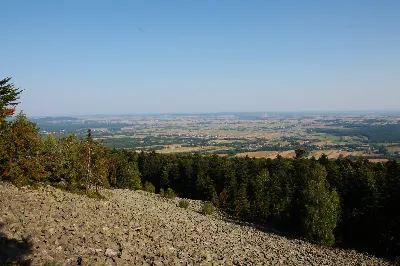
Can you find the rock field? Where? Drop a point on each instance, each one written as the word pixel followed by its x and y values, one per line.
pixel 138 228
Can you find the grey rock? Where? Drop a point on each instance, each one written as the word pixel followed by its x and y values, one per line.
pixel 139 228
pixel 110 253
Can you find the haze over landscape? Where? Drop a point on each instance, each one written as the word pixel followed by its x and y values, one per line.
pixel 90 57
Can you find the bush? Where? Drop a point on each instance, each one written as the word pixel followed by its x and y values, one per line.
pixel 184 204
pixel 208 208
pixel 149 187
pixel 73 188
pixel 50 264
pixel 95 195
pixel 170 193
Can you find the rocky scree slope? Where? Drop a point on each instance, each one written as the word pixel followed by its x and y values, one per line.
pixel 138 228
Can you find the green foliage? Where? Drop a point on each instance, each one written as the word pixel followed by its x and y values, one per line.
pixel 69 160
pixel 9 95
pixel 51 263
pixel 207 208
pixel 72 188
pixel 95 195
pixel 388 133
pixel 22 161
pixel 164 180
pixel 354 202
pixel 261 196
pixel 223 199
pixel 52 154
pixel 128 175
pixel 242 204
pixel 149 187
pixel 184 203
pixel 300 153
pixel 94 163
pixel 321 208
pixel 169 194
pixel 205 188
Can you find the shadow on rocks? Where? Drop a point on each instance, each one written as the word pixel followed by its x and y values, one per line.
pixel 13 251
pixel 258 226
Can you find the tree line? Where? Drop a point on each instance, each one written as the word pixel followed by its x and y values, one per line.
pixel 344 203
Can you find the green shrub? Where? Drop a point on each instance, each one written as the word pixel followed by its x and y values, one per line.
pixel 162 193
pixel 170 193
pixel 149 187
pixel 36 186
pixel 184 204
pixel 95 195
pixel 73 188
pixel 50 264
pixel 208 208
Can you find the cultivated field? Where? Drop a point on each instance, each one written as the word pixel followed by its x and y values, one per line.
pixel 241 134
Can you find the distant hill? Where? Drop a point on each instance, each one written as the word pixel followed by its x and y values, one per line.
pixel 60 118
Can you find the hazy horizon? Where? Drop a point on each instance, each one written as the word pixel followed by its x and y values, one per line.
pixel 160 57
pixel 268 113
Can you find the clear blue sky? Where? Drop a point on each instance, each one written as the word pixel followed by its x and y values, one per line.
pixel 89 57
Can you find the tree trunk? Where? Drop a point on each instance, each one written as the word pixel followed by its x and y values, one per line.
pixel 88 169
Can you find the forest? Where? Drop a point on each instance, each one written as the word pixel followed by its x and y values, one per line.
pixel 345 203
pixel 382 133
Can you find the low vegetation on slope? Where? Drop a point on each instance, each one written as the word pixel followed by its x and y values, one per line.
pixel 344 203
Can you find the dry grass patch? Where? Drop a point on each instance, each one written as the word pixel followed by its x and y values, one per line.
pixel 179 149
pixel 268 154
pixel 378 160
pixel 393 148
pixel 257 154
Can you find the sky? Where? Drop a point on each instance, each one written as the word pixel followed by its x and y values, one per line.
pixel 125 57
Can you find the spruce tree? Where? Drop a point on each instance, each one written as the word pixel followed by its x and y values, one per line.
pixel 9 95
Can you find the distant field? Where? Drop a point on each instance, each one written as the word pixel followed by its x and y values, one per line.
pixel 378 160
pixel 180 149
pixel 227 141
pixel 271 135
pixel 334 154
pixel 257 154
pixel 118 137
pixel 268 154
pixel 239 134
pixel 393 148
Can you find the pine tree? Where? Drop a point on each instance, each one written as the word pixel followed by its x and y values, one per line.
pixel 52 153
pixel 242 204
pixel 9 95
pixel 205 188
pixel 260 205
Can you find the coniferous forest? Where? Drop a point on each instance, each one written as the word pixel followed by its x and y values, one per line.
pixel 351 204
